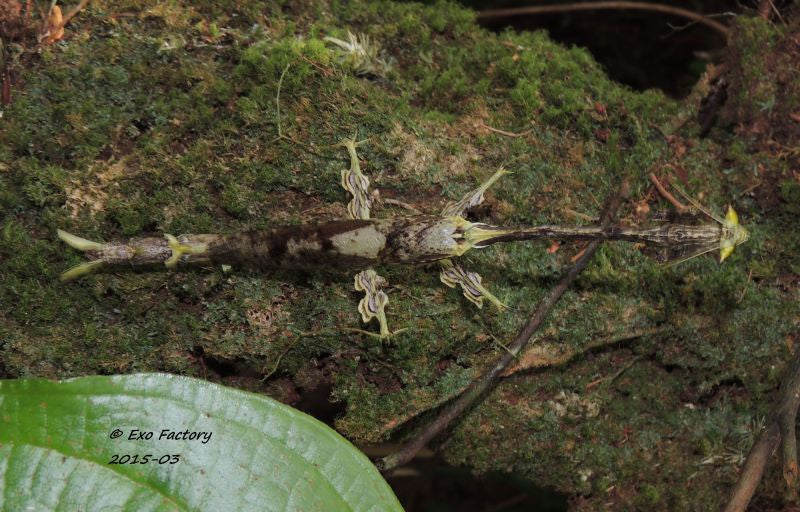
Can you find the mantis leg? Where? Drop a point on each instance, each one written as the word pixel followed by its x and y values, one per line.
pixel 473 198
pixel 453 274
pixel 374 303
pixel 355 182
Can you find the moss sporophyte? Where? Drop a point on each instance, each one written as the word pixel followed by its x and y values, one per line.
pixel 359 242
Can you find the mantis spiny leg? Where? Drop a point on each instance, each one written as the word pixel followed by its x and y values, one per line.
pixel 453 274
pixel 374 303
pixel 355 182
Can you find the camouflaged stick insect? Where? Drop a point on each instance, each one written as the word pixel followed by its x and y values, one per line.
pixel 359 243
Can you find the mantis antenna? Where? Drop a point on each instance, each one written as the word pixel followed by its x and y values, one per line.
pixel 697 205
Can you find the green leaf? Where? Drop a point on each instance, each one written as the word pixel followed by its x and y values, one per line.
pixel 56 446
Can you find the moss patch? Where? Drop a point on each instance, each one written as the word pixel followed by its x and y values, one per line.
pixel 165 120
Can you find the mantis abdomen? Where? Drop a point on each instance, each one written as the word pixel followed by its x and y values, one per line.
pixel 346 244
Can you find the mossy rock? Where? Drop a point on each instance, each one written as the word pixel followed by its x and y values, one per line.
pixel 165 120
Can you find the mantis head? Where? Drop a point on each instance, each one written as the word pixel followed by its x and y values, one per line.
pixel 733 234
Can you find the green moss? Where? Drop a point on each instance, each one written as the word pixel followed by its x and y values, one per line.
pixel 790 194
pixel 526 95
pixel 649 496
pixel 116 134
pixel 751 95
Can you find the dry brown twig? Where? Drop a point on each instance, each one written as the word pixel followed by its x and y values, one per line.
pixel 616 5
pixel 507 133
pixel 401 204
pixel 478 387
pixel 780 430
pixel 666 194
pixel 537 357
pixel 764 8
pixel 552 355
pixel 78 8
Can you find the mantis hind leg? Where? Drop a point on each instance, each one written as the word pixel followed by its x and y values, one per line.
pixel 373 305
pixel 453 274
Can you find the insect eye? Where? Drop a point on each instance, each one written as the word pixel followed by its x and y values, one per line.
pixel 724 252
pixel 731 217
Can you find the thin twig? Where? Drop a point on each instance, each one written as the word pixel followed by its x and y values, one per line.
pixel 753 468
pixel 401 204
pixel 278 99
pixel 751 188
pixel 591 6
pixel 548 355
pixel 507 134
pixel 325 71
pixel 777 12
pixel 491 377
pixel 280 358
pixel 690 24
pixel 72 13
pixel 764 8
pixel 666 195
pixel 611 378
pixel 281 136
pixel 578 255
pixel 779 429
pixel 43 31
pixel 504 347
pixel 579 215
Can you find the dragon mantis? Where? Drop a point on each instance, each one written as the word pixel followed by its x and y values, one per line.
pixel 361 242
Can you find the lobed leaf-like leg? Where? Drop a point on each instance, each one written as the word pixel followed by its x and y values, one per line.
pixel 453 274
pixel 355 182
pixel 373 305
